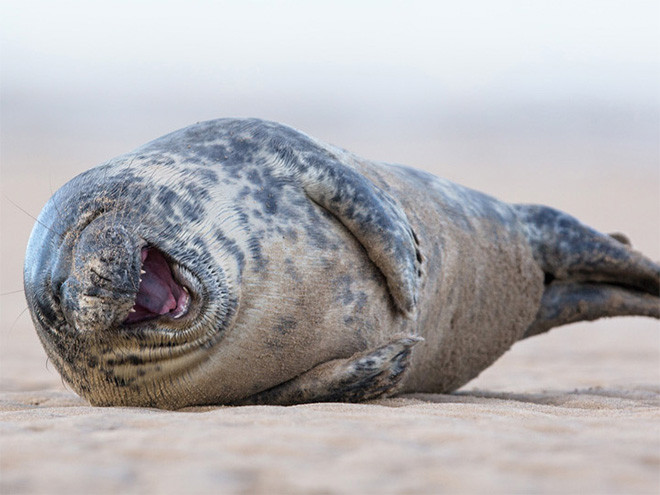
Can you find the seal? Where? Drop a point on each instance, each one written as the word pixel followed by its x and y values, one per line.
pixel 242 261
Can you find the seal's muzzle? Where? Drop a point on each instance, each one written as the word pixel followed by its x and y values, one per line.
pixel 102 279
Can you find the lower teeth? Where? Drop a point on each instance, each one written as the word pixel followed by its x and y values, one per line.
pixel 183 310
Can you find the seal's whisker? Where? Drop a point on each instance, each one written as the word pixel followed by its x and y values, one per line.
pixel 64 383
pixel 12 292
pixel 52 195
pixel 11 327
pixel 59 234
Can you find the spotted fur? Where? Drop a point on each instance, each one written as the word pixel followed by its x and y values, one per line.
pixel 312 273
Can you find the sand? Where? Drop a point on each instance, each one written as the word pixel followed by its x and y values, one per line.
pixel 573 411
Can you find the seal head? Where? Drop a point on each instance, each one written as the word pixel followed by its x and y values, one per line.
pixel 117 292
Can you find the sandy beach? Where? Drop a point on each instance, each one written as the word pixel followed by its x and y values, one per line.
pixel 576 411
pixel 554 103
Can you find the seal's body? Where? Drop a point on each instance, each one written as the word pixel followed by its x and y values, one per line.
pixel 241 261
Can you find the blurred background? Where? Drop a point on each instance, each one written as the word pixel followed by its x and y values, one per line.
pixel 556 102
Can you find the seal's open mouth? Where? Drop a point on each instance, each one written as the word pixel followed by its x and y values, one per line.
pixel 159 294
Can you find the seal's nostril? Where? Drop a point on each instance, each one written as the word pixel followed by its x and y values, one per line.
pixel 55 286
pixel 95 282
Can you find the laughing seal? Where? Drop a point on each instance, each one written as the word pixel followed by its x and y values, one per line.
pixel 241 261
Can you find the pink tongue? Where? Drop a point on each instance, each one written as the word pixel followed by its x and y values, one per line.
pixel 158 292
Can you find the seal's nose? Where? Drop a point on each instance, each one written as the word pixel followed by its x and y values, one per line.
pixel 103 277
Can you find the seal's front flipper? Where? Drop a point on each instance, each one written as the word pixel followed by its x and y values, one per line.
pixel 373 216
pixel 588 275
pixel 363 376
pixel 376 220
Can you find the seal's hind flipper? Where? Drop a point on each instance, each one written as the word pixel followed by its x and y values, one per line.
pixel 622 238
pixel 588 275
pixel 364 376
pixel 568 302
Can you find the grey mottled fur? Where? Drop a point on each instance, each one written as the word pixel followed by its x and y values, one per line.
pixel 314 274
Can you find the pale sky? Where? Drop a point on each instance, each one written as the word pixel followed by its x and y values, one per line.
pixel 536 49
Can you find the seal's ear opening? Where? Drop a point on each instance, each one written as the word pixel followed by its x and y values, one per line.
pixel 158 293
